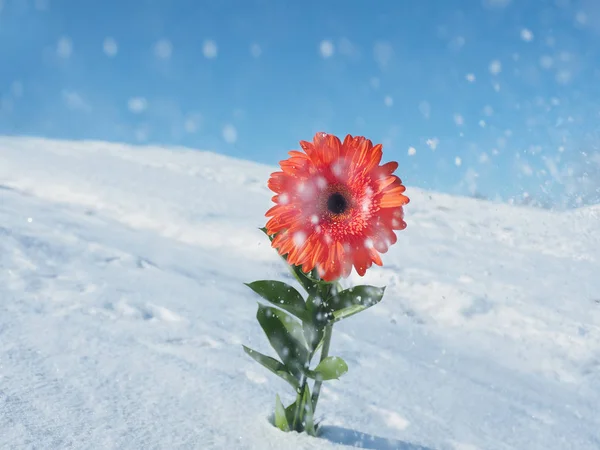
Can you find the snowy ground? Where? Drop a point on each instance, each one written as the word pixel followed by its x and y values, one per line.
pixel 122 314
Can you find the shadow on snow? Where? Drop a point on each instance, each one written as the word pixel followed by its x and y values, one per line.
pixel 353 438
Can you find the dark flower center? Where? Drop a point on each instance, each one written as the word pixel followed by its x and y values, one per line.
pixel 337 203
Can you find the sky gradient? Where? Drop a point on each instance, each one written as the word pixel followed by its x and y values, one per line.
pixel 496 97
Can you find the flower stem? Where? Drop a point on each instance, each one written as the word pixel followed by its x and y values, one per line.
pixel 299 397
pixel 324 354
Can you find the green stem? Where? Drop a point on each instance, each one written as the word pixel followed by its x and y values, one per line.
pixel 299 397
pixel 324 354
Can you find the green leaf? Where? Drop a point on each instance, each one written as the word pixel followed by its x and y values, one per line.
pixel 289 413
pixel 352 301
pixel 274 366
pixel 282 295
pixel 293 326
pixel 286 337
pixel 281 421
pixel 313 302
pixel 313 333
pixel 331 368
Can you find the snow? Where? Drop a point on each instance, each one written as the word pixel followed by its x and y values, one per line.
pixel 163 49
pixel 110 47
pixel 64 47
pixel 326 49
pixel 210 49
pixel 123 312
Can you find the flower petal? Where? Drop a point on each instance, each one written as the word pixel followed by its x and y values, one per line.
pixel 393 198
pixel 312 235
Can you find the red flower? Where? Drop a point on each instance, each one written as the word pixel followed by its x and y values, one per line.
pixel 336 207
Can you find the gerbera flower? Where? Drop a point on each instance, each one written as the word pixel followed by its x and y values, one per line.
pixel 336 207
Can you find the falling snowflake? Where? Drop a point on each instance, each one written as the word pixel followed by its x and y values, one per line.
pixel 255 50
pixel 326 49
pixel 432 143
pixel 526 35
pixel 110 47
pixel 64 48
pixel 209 49
pixel 229 134
pixel 495 67
pixel 163 49
pixel 137 104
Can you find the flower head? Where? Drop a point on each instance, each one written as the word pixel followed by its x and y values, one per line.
pixel 336 206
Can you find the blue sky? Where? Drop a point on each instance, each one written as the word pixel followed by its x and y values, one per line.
pixel 494 97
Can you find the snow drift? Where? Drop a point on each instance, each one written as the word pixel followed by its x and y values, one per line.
pixel 122 314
